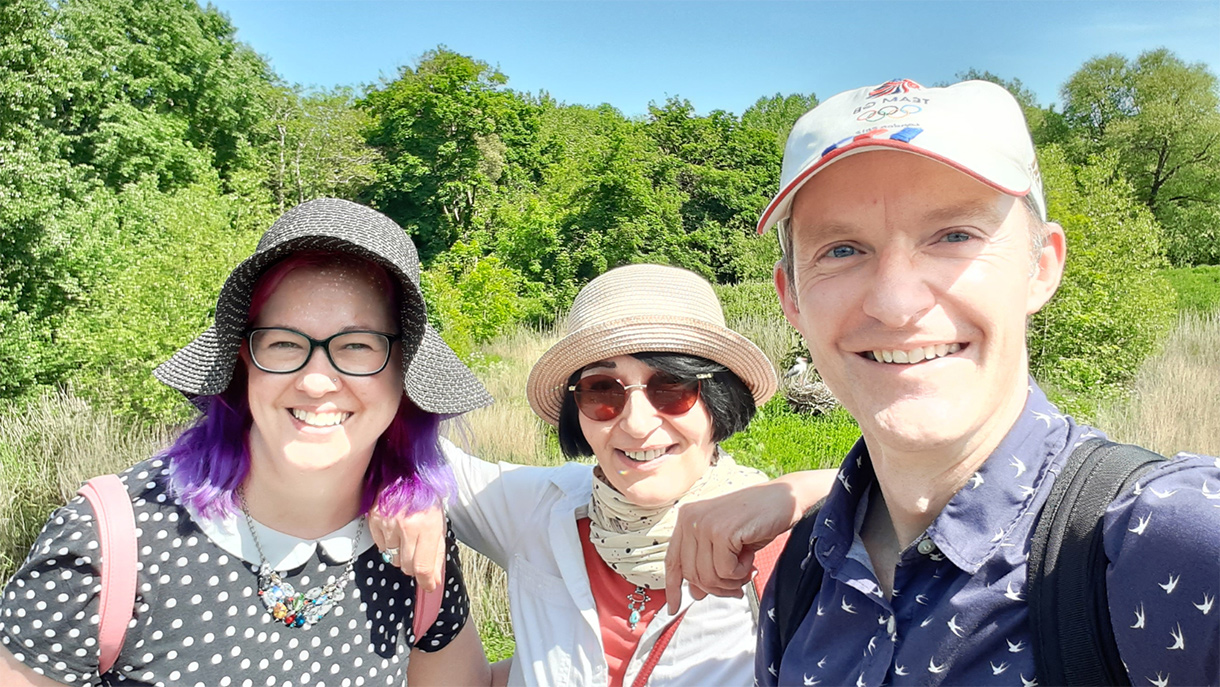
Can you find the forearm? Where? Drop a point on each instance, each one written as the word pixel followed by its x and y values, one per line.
pixel 460 664
pixel 14 673
pixel 807 488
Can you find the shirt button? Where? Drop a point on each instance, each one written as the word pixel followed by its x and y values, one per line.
pixel 891 625
pixel 926 546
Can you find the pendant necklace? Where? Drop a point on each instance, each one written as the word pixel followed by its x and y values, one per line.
pixel 635 604
pixel 281 599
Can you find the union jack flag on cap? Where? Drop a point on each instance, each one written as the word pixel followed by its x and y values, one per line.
pixel 894 86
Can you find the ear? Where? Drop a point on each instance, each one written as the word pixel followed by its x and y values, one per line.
pixel 1049 270
pixel 786 291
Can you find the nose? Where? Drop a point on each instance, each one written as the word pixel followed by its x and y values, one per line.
pixel 900 294
pixel 318 377
pixel 639 418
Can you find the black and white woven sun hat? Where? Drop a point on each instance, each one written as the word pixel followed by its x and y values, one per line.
pixel 433 376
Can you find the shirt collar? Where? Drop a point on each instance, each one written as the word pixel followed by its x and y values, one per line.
pixel 284 551
pixel 982 516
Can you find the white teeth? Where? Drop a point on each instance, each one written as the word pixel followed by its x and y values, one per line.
pixel 319 419
pixel 917 354
pixel 644 456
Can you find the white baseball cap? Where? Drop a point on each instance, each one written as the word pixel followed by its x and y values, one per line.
pixel 976 127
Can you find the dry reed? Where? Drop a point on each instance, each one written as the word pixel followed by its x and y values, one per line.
pixel 1175 405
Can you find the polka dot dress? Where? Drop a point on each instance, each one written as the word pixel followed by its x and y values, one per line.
pixel 198 619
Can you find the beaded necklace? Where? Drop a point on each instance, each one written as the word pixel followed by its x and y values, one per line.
pixel 281 599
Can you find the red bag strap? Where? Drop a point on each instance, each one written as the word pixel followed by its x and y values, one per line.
pixel 641 678
pixel 115 522
pixel 427 607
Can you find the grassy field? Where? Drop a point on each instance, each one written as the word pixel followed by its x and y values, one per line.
pixel 48 449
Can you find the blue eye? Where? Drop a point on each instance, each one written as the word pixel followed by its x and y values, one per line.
pixel 957 237
pixel 841 252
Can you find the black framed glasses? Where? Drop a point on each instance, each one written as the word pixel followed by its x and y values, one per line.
pixel 282 351
pixel 602 397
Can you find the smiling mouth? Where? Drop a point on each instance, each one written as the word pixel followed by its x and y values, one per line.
pixel 645 456
pixel 319 419
pixel 915 355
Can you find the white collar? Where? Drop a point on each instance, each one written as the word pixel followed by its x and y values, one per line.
pixel 284 551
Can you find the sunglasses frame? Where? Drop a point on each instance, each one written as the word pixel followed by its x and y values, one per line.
pixel 626 391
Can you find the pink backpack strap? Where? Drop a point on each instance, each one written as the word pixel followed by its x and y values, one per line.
pixel 116 533
pixel 427 607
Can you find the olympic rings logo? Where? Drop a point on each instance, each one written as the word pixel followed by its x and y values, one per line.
pixel 888 112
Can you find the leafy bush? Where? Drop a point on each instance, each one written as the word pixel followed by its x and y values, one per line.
pixel 1198 288
pixel 779 441
pixel 1113 306
pixel 471 297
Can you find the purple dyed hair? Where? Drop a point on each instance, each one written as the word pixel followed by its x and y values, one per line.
pixel 209 461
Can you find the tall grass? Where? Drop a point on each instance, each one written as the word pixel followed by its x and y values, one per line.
pixel 1175 405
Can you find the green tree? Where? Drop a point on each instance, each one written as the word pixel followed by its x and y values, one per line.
pixel 778 113
pixel 445 129
pixel 1162 117
pixel 1113 306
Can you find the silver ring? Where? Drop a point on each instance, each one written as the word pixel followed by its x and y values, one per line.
pixel 389 555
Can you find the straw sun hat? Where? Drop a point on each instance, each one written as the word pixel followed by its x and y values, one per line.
pixel 433 376
pixel 641 308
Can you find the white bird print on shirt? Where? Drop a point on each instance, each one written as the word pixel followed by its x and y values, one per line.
pixel 996 670
pixel 1170 585
pixel 847 607
pixel 821 609
pixel 860 680
pixel 900 670
pixel 1028 683
pixel 822 663
pixel 843 479
pixel 771 614
pixel 999 534
pixel 1163 494
pixel 1015 648
pixel 1206 606
pixel 810 681
pixel 1020 466
pixel 1012 593
pixel 921 599
pixel 926 622
pixel 872 644
pixel 1159 681
pixel 1179 642
pixel 1208 494
pixel 977 481
pixel 938 669
pixel 1139 619
pixel 1139 529
pixel 1139 489
pixel 954 627
pixel 1045 418
pixel 771 669
pixel 1025 490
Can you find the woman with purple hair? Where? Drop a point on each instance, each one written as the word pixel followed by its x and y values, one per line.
pixel 255 564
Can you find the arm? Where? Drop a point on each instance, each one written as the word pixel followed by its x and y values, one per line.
pixel 714 541
pixel 500 671
pixel 461 663
pixel 14 673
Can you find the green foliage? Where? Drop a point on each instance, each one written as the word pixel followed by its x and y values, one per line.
pixel 1045 124
pixel 778 113
pixel 1161 117
pixel 155 290
pixel 750 299
pixel 1197 288
pixel 779 441
pixel 471 297
pixel 1113 305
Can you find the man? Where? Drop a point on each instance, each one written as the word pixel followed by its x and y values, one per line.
pixel 915 245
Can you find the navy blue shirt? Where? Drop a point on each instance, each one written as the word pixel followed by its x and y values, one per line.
pixel 958 613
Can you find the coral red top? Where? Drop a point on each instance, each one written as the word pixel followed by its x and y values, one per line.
pixel 610 592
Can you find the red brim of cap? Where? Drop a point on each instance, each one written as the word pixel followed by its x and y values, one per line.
pixel 784 197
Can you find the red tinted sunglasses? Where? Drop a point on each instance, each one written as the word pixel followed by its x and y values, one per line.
pixel 602 397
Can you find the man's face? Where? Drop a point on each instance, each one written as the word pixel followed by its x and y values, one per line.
pixel 897 257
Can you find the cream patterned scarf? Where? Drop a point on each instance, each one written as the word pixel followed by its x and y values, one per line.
pixel 633 539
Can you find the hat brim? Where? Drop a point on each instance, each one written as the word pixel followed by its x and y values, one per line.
pixel 547 380
pixel 433 376
pixel 780 207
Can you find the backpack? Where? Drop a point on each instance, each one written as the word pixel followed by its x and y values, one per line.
pixel 1073 641
pixel 115 522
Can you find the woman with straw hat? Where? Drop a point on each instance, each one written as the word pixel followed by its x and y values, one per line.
pixel 321 388
pixel 647 382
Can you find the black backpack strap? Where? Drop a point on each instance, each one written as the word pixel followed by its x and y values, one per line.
pixel 794 587
pixel 1073 640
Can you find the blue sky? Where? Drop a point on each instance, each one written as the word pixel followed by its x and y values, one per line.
pixel 718 55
